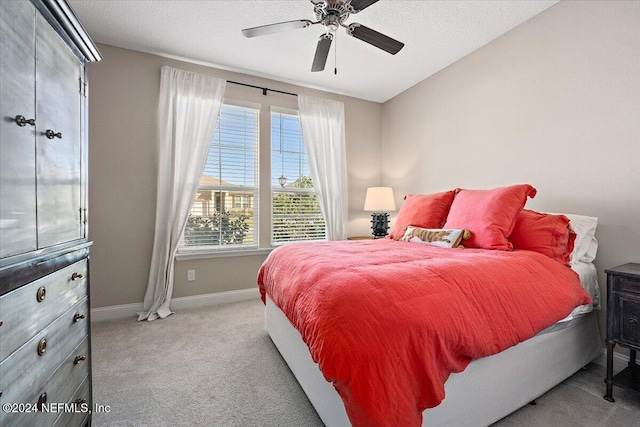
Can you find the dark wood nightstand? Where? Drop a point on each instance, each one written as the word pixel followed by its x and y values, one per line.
pixel 623 325
pixel 360 238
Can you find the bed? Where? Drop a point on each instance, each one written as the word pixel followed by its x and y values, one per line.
pixel 482 394
pixel 391 332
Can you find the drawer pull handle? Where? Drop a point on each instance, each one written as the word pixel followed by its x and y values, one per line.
pixel 42 346
pixel 75 276
pixel 42 400
pixel 53 134
pixel 79 359
pixel 42 292
pixel 77 317
pixel 633 322
pixel 22 121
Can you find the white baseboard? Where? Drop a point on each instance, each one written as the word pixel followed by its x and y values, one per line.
pixel 115 312
pixel 195 301
pixel 620 361
pixel 124 311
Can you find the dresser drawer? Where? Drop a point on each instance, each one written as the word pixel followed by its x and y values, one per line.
pixel 626 285
pixel 71 418
pixel 27 310
pixel 26 370
pixel 64 382
pixel 629 321
pixel 58 389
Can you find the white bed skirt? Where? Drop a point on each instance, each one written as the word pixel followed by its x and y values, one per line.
pixel 488 390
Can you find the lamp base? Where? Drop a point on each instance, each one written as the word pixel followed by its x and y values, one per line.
pixel 379 224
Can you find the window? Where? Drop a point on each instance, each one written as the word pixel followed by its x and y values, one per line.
pixel 296 214
pixel 224 214
pixel 225 209
pixel 241 201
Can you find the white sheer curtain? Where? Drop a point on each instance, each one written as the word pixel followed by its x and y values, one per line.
pixel 324 139
pixel 187 115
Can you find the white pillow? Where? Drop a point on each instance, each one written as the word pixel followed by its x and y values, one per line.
pixel 589 280
pixel 586 245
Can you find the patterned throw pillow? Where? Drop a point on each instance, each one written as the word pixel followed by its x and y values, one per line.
pixel 437 237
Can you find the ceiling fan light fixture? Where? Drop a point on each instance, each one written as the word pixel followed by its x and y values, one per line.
pixel 332 23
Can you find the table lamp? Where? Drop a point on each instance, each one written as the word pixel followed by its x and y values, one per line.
pixel 380 201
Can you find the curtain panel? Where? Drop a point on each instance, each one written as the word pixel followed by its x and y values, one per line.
pixel 323 132
pixel 187 115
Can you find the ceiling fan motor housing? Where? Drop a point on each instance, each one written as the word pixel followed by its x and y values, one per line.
pixel 331 14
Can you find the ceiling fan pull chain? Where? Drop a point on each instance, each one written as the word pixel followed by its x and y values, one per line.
pixel 335 57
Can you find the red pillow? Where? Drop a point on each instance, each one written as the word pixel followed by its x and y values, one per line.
pixel 424 211
pixel 548 234
pixel 490 215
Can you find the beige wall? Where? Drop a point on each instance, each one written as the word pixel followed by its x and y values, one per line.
pixel 554 103
pixel 122 179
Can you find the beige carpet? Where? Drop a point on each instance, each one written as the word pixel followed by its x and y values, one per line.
pixel 216 366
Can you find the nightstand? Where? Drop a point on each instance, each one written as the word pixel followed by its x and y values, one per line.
pixel 360 238
pixel 623 325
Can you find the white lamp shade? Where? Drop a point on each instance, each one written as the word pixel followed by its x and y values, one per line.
pixel 379 199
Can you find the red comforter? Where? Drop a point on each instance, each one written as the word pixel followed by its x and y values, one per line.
pixel 388 321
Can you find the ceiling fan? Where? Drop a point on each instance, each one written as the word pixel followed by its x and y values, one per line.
pixel 332 14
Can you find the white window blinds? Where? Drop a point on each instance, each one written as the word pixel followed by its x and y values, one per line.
pixel 225 210
pixel 296 214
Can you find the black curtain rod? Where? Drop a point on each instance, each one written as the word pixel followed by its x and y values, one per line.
pixel 263 89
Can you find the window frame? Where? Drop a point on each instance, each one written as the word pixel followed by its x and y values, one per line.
pixel 214 251
pixel 274 189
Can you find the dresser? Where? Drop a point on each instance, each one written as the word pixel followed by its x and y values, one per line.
pixel 623 325
pixel 45 347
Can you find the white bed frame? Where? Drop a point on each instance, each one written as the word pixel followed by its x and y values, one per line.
pixel 488 390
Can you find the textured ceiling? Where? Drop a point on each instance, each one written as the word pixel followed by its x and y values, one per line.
pixel 435 33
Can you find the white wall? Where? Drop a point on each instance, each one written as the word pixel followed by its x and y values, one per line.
pixel 554 103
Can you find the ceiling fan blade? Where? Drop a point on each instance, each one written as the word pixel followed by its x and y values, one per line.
pixel 276 28
pixel 322 52
pixel 375 38
pixel 359 5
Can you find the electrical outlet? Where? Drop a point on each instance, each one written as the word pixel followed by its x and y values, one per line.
pixel 191 275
